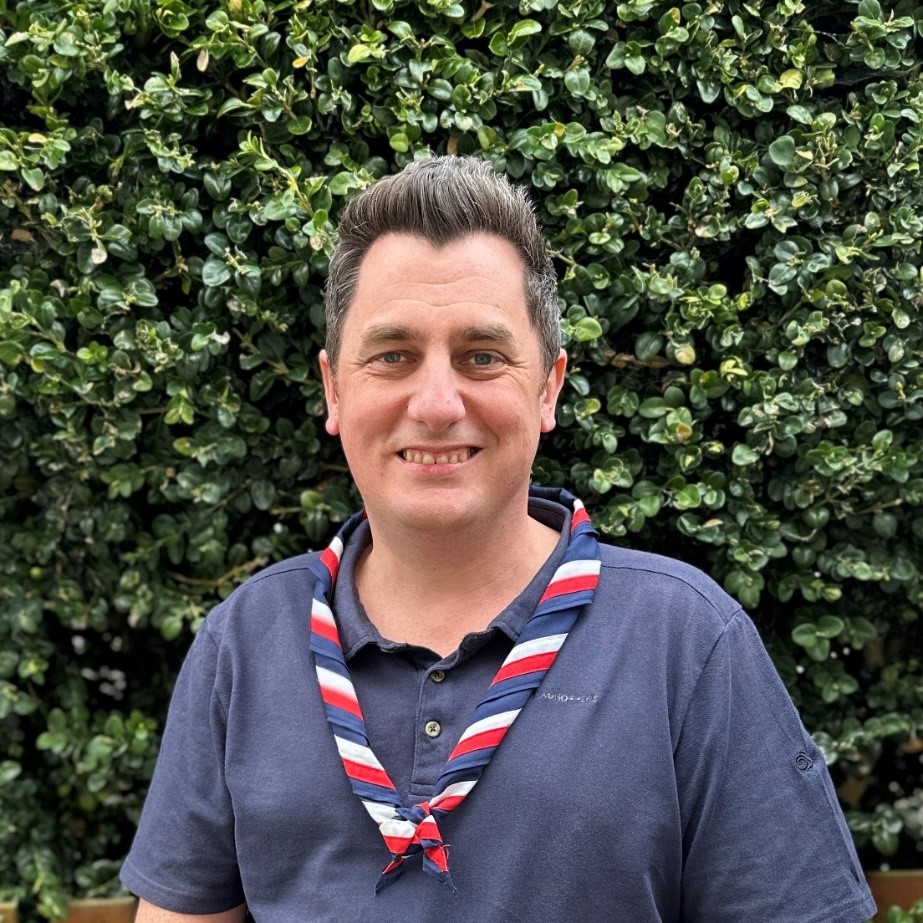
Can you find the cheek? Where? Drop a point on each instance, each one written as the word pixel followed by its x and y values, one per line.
pixel 366 420
pixel 514 420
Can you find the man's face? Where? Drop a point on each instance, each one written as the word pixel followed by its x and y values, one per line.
pixel 439 396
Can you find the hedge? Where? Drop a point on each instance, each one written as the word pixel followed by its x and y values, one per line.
pixel 733 198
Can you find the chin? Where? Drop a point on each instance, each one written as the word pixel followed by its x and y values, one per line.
pixel 433 513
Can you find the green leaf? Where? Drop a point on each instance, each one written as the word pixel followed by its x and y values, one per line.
pixel 829 626
pixel 782 151
pixel 523 29
pixel 9 770
pixel 342 183
pixel 586 329
pixel 882 440
pixel 11 353
pixel 402 30
pixel 804 635
pixel 687 498
pixel 636 64
pixel 622 401
pixel 300 125
pixel 499 45
pixel 229 105
pixel 648 345
pixel 263 493
pixel 885 525
pixel 399 141
pixel 34 178
pixel 577 81
pixel 653 408
pixel 358 53
pixel 870 9
pixel 217 185
pixel 171 627
pixel 215 272
pixel 743 456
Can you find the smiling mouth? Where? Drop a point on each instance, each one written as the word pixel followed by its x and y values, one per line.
pixel 455 457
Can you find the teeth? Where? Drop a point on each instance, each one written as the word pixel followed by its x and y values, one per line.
pixel 425 458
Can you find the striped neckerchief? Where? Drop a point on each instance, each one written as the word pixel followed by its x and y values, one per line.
pixel 408 831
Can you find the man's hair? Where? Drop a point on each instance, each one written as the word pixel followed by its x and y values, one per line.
pixel 444 199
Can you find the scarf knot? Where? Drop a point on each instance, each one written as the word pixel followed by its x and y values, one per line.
pixel 416 814
pixel 411 831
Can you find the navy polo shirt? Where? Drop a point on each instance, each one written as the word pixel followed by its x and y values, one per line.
pixel 403 695
pixel 660 773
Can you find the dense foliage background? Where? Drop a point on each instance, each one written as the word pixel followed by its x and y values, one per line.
pixel 732 192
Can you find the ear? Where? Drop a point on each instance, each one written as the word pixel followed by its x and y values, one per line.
pixel 551 390
pixel 330 394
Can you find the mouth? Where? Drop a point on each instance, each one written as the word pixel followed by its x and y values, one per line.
pixel 448 457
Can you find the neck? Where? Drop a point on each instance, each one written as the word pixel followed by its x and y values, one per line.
pixel 450 585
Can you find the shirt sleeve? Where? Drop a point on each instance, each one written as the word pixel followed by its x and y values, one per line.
pixel 763 835
pixel 183 857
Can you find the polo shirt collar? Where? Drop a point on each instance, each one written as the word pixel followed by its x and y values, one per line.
pixel 358 632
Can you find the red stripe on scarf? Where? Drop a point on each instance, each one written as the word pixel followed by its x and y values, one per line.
pixel 570 585
pixel 367 773
pixel 438 856
pixel 325 630
pixel 580 515
pixel 339 700
pixel 331 562
pixel 525 665
pixel 397 845
pixel 479 742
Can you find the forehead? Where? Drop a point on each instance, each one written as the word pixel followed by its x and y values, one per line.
pixel 404 278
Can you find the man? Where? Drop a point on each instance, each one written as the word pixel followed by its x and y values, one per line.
pixel 467 709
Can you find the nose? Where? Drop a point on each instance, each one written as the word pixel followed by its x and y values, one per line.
pixel 436 400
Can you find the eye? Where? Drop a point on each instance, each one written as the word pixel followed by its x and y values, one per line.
pixel 392 358
pixel 484 360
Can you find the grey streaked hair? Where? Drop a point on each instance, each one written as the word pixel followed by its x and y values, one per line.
pixel 443 199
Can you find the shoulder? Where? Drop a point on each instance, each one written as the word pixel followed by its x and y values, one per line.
pixel 657 584
pixel 281 575
pixel 668 614
pixel 275 595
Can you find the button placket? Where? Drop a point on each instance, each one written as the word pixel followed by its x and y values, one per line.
pixel 434 728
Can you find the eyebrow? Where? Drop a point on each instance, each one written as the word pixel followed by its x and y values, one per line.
pixel 385 333
pixel 498 333
pixel 380 334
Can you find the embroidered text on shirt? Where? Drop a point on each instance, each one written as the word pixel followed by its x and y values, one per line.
pixel 566 697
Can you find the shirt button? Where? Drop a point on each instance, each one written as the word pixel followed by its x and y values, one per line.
pixel 437 676
pixel 433 728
